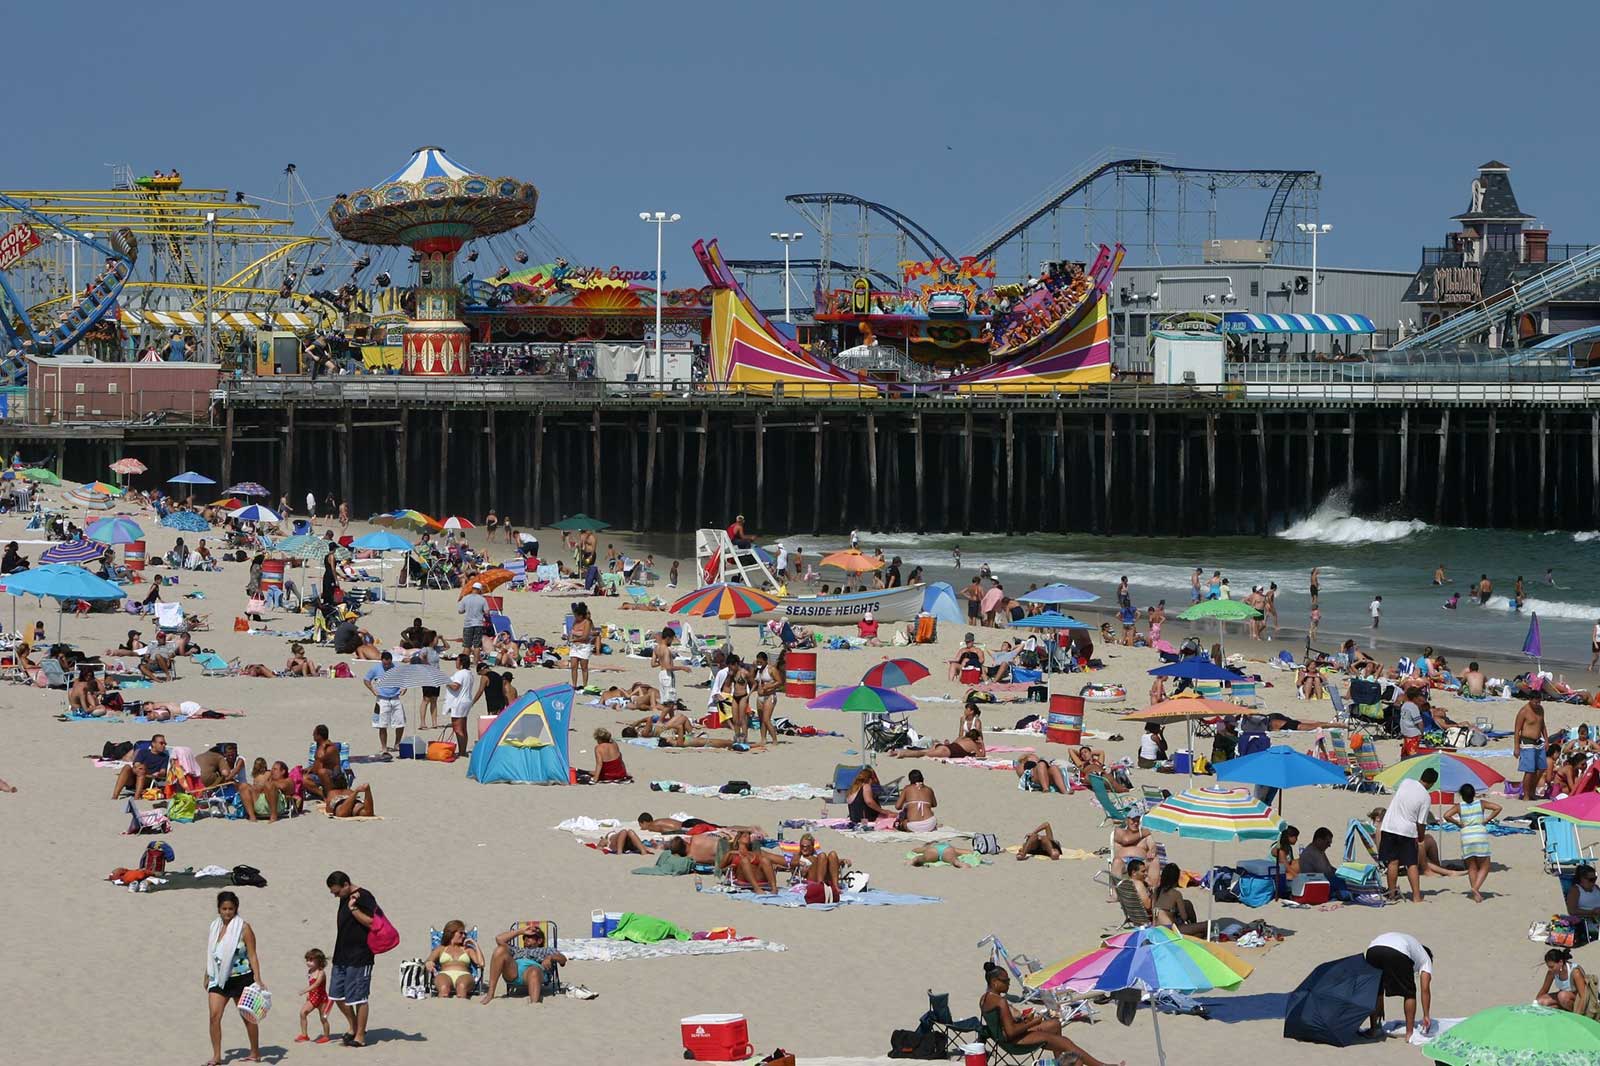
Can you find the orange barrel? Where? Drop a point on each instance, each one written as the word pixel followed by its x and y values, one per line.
pixel 800 675
pixel 133 555
pixel 1065 724
pixel 272 575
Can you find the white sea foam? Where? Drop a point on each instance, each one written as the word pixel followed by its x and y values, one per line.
pixel 1332 523
pixel 1584 612
pixel 1585 536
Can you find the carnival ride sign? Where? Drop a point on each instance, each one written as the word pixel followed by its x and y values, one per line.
pixel 964 269
pixel 15 243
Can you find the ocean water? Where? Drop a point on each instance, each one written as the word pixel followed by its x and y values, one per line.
pixel 1359 558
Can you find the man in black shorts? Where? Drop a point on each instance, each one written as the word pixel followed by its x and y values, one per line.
pixel 1404 963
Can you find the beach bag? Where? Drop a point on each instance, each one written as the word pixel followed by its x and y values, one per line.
pixel 986 843
pixel 414 980
pixel 154 860
pixel 441 751
pixel 115 750
pixel 382 936
pixel 735 788
pixel 249 877
pixel 240 624
pixel 1256 891
pixel 254 1003
pixel 342 670
pixel 917 1044
pixel 1225 885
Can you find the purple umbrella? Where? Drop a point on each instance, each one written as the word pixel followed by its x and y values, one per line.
pixel 1532 645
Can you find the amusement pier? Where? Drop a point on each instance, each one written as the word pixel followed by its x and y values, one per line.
pixel 1050 377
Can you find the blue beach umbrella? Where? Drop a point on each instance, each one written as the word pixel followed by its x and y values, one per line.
pixel 73 551
pixel 255 513
pixel 189 477
pixel 1195 670
pixel 1058 592
pixel 1047 620
pixel 1533 644
pixel 1280 768
pixel 382 541
pixel 115 531
pixel 61 582
pixel 187 521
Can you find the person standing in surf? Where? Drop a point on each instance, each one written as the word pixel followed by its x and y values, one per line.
pixel 1316 572
pixel 1438 575
pixel 1271 605
pixel 1194 586
pixel 1485 590
pixel 1376 609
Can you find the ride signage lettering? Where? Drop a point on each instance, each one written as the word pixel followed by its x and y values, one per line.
pixel 964 269
pixel 15 243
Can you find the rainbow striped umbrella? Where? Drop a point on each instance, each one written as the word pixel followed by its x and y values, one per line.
pixel 725 602
pixel 863 699
pixel 894 673
pixel 1153 957
pixel 1454 771
pixel 105 487
pixel 115 531
pixel 1214 814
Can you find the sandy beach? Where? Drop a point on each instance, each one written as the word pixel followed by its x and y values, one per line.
pixel 446 847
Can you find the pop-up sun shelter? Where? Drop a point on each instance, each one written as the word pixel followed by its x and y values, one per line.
pixel 528 741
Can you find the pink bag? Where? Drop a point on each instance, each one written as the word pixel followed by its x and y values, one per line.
pixel 382 936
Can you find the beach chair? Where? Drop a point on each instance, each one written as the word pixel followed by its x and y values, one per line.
pixel 1114 811
pixel 1000 1052
pixel 1209 690
pixel 1365 766
pixel 552 979
pixel 938 1019
pixel 434 939
pixel 639 596
pixel 1559 841
pixel 213 665
pixel 1244 694
pixel 1359 868
pixel 52 673
pixel 611 582
pixel 1135 915
pixel 499 623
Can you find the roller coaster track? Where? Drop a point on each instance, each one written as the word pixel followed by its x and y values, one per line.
pixel 86 313
pixel 1530 293
pixel 920 237
pixel 795 266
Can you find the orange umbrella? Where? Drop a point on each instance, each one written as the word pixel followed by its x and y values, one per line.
pixel 489 579
pixel 227 501
pixel 853 561
pixel 1183 707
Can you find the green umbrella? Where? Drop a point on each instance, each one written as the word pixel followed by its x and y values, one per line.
pixel 39 473
pixel 304 546
pixel 1222 610
pixel 1519 1035
pixel 580 522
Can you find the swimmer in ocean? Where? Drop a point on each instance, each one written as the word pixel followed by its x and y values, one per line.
pixel 1438 575
pixel 1453 602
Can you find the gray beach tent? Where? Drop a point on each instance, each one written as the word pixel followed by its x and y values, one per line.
pixel 1332 1002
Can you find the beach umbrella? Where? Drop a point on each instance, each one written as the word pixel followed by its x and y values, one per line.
pixel 8 475
pixel 73 551
pixel 189 477
pixel 1519 1034
pixel 725 602
pixel 1454 771
pixel 307 547
pixel 1181 707
pixel 580 522
pixel 1214 814
pixel 456 522
pixel 255 513
pixel 61 582
pixel 248 488
pixel 105 488
pixel 1533 644
pixel 1222 611
pixel 894 673
pixel 1196 669
pixel 1148 959
pixel 1329 1006
pixel 127 466
pixel 115 531
pixel 93 501
pixel 39 473
pixel 1582 810
pixel 1057 592
pixel 1281 768
pixel 408 518
pixel 1047 620
pixel 489 579
pixel 869 701
pixel 187 521
pixel 227 502
pixel 852 561
pixel 413 675
pixel 381 541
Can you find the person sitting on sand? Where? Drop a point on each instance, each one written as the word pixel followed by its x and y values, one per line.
pixel 298 664
pixel 915 805
pixel 449 963
pixel 1562 780
pixel 751 866
pixel 88 690
pixel 1041 774
pixel 267 793
pixel 971 718
pixel 940 851
pixel 820 867
pixel 351 639
pixel 608 764
pixel 1283 856
pixel 1565 986
pixel 1035 1030
pixel 1169 908
pixel 1583 898
pixel 341 801
pixel 1314 858
pixel 861 799
pixel 969 746
pixel 1309 683
pixel 1040 841
pixel 516 955
pixel 220 765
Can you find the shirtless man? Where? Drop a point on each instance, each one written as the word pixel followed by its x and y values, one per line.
pixel 1473 683
pixel 696 827
pixel 219 767
pixel 324 764
pixel 1133 841
pixel 640 696
pixel 666 665
pixel 1485 589
pixel 1530 734
pixel 709 742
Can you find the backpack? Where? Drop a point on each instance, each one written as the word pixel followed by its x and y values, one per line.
pixel 985 843
pixel 735 788
pixel 248 876
pixel 917 1044
pixel 1225 885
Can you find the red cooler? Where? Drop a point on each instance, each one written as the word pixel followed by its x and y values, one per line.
pixel 800 675
pixel 971 675
pixel 133 554
pixel 716 1037
pixel 1065 724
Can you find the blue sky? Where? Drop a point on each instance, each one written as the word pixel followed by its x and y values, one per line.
pixel 953 113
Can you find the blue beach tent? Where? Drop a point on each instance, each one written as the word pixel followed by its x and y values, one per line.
pixel 528 742
pixel 939 600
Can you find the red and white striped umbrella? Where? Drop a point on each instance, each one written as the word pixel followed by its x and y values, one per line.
pixel 457 522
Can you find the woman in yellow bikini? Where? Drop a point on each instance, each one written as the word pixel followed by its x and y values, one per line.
pixel 451 961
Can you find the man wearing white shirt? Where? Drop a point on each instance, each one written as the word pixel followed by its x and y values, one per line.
pixel 1406 965
pixel 1400 835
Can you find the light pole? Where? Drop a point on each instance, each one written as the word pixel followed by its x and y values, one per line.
pixel 72 251
pixel 659 219
pixel 786 239
pixel 211 260
pixel 1316 230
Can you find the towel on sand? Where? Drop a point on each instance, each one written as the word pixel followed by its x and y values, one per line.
pixel 646 929
pixel 586 949
pixel 668 865
pixel 870 898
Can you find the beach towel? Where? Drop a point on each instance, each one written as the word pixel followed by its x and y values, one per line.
pixel 773 793
pixel 222 943
pixel 870 898
pixel 646 929
pixel 969 859
pixel 668 865
pixel 588 949
pixel 883 831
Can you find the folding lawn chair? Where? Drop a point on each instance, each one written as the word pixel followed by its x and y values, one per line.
pixel 1001 1053
pixel 1360 869
pixel 938 1019
pixel 1114 811
pixel 1152 795
pixel 1135 915
pixel 1365 766
pixel 1559 842
pixel 1244 694
pixel 551 978
pixel 435 937
pixel 499 623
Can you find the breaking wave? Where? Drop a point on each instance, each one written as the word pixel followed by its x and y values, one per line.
pixel 1332 523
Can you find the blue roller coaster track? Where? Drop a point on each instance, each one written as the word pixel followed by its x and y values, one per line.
pixel 91 307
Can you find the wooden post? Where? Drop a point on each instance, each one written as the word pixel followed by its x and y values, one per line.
pixel 594 468
pixel 494 463
pixel 761 465
pixel 652 429
pixel 1311 461
pixel 816 473
pixel 729 470
pixel 1061 473
pixel 1211 475
pixel 792 479
pixel 847 441
pixel 677 489
pixel 1261 472
pixel 1405 450
pixel 1444 459
pixel 537 521
pixel 1544 491
pixel 945 447
pixel 1150 475
pixel 1011 474
pixel 286 478
pixel 403 451
pixel 872 468
pixel 922 520
pixel 1183 471
pixel 700 468
pixel 1488 494
pixel 1350 454
pixel 994 483
pixel 183 459
pixel 347 474
pixel 444 461
pixel 633 482
pixel 966 475
pixel 227 448
pixel 1110 437
pixel 556 468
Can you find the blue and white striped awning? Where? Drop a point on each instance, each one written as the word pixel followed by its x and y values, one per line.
pixel 428 162
pixel 1250 322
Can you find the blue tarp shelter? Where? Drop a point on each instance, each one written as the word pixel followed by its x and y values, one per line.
pixel 939 600
pixel 528 741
